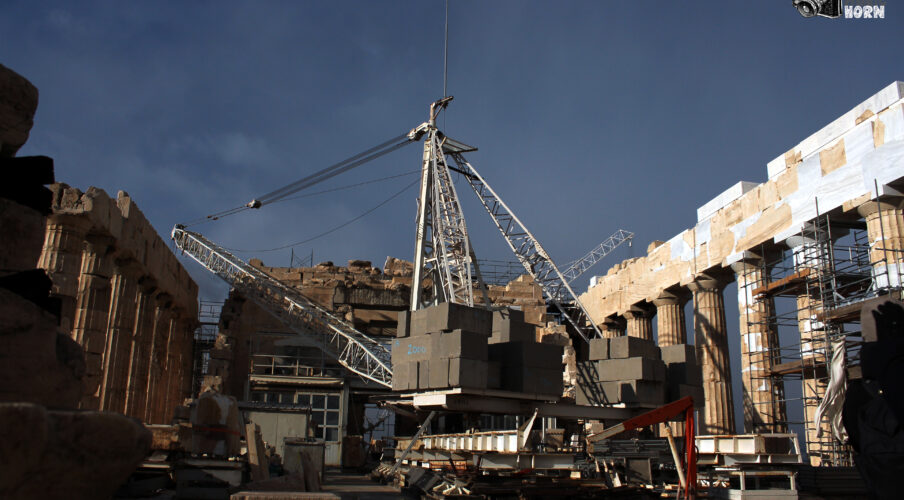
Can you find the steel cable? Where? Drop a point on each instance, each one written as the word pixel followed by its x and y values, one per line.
pixel 357 160
pixel 332 230
pixel 336 169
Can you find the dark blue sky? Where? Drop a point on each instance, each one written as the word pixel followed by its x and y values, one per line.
pixel 589 116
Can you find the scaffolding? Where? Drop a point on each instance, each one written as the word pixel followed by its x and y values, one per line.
pixel 499 272
pixel 810 297
pixel 204 338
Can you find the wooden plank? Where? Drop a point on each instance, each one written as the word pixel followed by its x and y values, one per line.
pixel 850 312
pixel 806 367
pixel 783 284
pixel 257 456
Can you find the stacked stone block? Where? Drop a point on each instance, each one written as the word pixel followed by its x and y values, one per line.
pixel 441 347
pixel 455 346
pixel 635 372
pixel 682 373
pixel 528 367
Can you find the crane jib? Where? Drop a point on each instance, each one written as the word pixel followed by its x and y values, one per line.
pixel 354 350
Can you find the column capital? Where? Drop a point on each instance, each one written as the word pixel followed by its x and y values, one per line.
pixel 674 295
pixel 147 284
pixel 885 203
pixel 128 266
pixel 178 311
pixel 163 300
pixel 640 310
pixel 707 282
pixel 798 241
pixel 77 222
pixel 666 300
pixel 100 240
pixel 747 265
pixel 805 236
pixel 614 322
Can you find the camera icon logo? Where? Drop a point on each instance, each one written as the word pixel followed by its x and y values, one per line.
pixel 825 8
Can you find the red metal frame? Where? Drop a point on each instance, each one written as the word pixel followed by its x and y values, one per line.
pixel 690 444
pixel 660 415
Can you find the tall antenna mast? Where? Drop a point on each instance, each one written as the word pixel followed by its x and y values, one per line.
pixel 446 52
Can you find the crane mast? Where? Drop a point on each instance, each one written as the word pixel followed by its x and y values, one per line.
pixel 442 252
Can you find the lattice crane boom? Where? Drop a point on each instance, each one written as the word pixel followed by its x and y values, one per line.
pixel 355 351
pixel 530 253
pixel 578 267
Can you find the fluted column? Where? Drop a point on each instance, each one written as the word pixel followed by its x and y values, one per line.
pixel 813 255
pixel 640 321
pixel 763 398
pixel 139 354
pixel 173 348
pixel 711 341
pixel 671 327
pixel 120 329
pixel 613 326
pixel 885 229
pixel 174 386
pixel 157 355
pixel 188 364
pixel 181 363
pixel 61 257
pixel 92 309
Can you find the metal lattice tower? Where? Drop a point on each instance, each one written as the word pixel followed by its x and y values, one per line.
pixel 442 251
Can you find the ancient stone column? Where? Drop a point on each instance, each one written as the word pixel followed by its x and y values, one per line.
pixel 157 355
pixel 671 329
pixel 91 312
pixel 142 335
pixel 189 363
pixel 61 257
pixel 162 381
pixel 670 322
pixel 120 329
pixel 175 358
pixel 811 255
pixel 711 341
pixel 174 345
pixel 763 397
pixel 885 228
pixel 181 363
pixel 640 321
pixel 613 327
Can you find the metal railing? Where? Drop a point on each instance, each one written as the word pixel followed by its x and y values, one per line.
pixel 291 366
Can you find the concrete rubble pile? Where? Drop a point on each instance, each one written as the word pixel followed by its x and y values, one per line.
pixel 635 372
pixel 47 448
pixel 455 346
